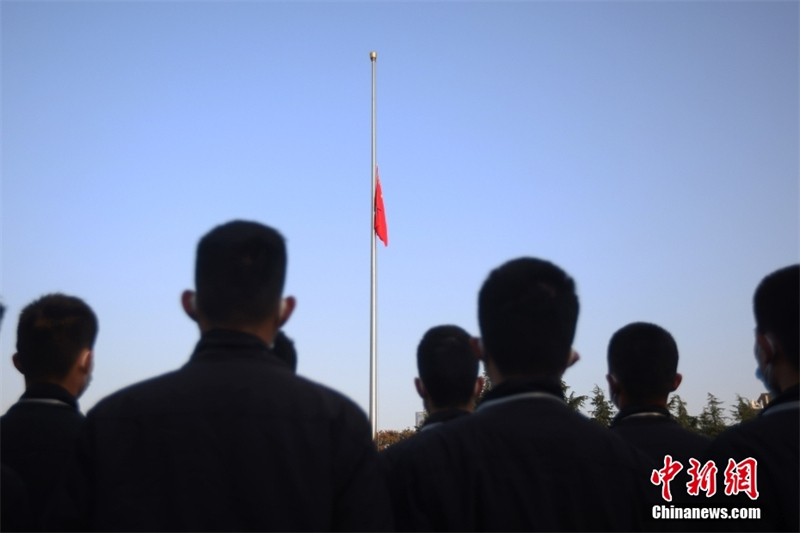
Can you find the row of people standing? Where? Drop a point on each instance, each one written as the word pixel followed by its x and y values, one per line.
pixel 235 440
pixel 525 460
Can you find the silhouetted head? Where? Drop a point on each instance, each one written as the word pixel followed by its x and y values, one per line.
pixel 642 364
pixel 776 305
pixel 528 311
pixel 55 338
pixel 448 368
pixel 239 274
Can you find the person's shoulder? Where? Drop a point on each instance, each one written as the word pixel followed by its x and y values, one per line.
pixel 663 427
pixel 330 402
pixel 675 427
pixel 427 453
pixel 39 428
pixel 541 414
pixel 699 443
pixel 38 414
pixel 129 399
pixel 774 439
pixel 390 455
pixel 24 408
pixel 765 430
pixel 537 422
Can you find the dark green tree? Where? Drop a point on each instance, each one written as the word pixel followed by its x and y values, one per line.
pixel 575 402
pixel 677 408
pixel 743 411
pixel 602 410
pixel 711 421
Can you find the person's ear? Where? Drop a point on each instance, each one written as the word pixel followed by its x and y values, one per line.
pixel 767 348
pixel 17 363
pixel 188 302
pixel 613 386
pixel 574 357
pixel 676 383
pixel 86 361
pixel 286 309
pixel 420 388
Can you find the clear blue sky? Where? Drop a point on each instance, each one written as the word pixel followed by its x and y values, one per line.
pixel 650 149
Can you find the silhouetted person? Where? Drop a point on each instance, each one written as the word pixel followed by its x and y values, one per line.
pixel 15 511
pixel 448 382
pixel 524 460
pixel 642 372
pixel 772 438
pixel 233 440
pixel 55 338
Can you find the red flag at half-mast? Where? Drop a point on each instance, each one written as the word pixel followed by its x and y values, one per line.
pixel 380 214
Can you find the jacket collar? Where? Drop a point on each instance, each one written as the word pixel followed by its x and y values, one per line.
pixel 48 393
pixel 790 394
pixel 441 417
pixel 788 399
pixel 527 387
pixel 650 412
pixel 218 343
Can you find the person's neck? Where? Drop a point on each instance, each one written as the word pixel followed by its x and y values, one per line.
pixel 70 385
pixel 265 330
pixel 469 407
pixel 641 404
pixel 787 380
pixel 497 378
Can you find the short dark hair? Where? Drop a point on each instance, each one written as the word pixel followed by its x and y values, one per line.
pixel 776 305
pixel 528 311
pixel 447 366
pixel 51 334
pixel 240 271
pixel 644 359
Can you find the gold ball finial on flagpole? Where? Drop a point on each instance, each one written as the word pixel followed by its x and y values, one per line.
pixel 373 56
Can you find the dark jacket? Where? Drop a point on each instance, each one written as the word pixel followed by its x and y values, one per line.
pixel 37 436
pixel 772 439
pixel 15 510
pixel 232 441
pixel 523 461
pixel 389 456
pixel 652 430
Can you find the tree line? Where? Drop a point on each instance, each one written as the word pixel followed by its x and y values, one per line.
pixel 711 421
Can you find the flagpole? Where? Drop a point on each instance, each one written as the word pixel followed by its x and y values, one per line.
pixel 373 305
